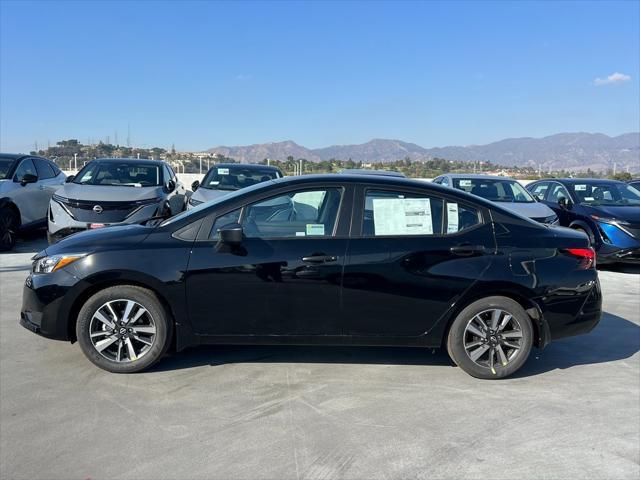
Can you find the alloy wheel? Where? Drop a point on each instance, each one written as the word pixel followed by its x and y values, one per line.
pixel 493 336
pixel 122 330
pixel 7 228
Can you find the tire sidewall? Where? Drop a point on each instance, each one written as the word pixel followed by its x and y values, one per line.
pixel 455 343
pixel 145 298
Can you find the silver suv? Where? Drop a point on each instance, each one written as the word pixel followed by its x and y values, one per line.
pixel 114 190
pixel 26 185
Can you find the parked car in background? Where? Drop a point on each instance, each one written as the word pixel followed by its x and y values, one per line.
pixel 366 171
pixel 607 211
pixel 635 183
pixel 27 183
pixel 320 259
pixel 228 177
pixel 506 192
pixel 114 190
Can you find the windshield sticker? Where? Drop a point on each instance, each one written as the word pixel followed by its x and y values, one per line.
pixel 452 217
pixel 465 183
pixel 223 171
pixel 589 199
pixel 300 234
pixel 315 229
pixel 402 216
pixel 215 182
pixel 580 188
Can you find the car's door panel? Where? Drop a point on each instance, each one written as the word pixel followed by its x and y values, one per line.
pixel 402 285
pixel 288 286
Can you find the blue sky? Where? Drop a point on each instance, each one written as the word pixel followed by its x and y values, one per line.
pixel 202 74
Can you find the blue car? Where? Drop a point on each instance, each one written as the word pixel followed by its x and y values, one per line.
pixel 608 211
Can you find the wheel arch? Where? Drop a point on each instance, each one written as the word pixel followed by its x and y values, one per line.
pixel 105 280
pixel 518 294
pixel 584 226
pixel 7 202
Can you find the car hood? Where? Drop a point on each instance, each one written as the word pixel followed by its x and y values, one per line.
pixel 531 210
pixel 102 193
pixel 107 238
pixel 628 213
pixel 207 194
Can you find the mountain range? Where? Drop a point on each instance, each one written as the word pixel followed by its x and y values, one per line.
pixel 570 151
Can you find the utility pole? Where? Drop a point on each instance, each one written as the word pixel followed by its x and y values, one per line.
pixel 301 167
pixel 614 168
pixel 200 157
pixel 75 161
pixel 116 137
pixel 128 135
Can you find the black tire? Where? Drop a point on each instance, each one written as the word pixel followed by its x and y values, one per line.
pixel 9 225
pixel 457 333
pixel 148 300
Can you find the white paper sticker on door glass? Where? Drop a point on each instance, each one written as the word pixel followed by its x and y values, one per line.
pixel 452 217
pixel 402 216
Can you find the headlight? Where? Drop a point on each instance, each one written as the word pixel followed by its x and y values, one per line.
pixel 193 202
pixel 612 221
pixel 55 262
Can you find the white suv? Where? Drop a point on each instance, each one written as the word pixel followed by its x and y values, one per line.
pixel 26 186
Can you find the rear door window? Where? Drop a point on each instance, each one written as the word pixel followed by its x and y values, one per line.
pixel 540 190
pixel 396 213
pixel 26 167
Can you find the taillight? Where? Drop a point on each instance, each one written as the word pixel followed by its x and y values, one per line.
pixel 588 256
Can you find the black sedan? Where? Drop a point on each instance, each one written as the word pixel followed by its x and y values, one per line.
pixel 329 259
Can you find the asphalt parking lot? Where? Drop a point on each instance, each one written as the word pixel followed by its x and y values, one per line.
pixel 573 411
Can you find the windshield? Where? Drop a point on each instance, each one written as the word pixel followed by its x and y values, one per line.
pixel 495 190
pixel 121 174
pixel 236 177
pixel 606 194
pixel 5 167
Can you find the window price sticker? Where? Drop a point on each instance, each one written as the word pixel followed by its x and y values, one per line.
pixel 452 217
pixel 223 171
pixel 402 216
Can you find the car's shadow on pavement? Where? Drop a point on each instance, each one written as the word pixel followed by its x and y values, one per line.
pixel 615 338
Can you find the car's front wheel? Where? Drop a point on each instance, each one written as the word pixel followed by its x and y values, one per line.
pixel 8 228
pixel 124 329
pixel 491 338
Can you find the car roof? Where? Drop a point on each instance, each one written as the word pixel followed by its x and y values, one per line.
pixel 257 166
pixel 17 156
pixel 476 175
pixel 580 180
pixel 366 171
pixel 136 160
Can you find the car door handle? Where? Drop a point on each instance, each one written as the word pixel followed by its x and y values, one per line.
pixel 467 250
pixel 319 258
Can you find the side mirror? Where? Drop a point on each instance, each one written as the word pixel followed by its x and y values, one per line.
pixel 195 185
pixel 170 186
pixel 231 234
pixel 28 178
pixel 564 203
pixel 69 179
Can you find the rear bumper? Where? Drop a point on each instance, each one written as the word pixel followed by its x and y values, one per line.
pixel 570 315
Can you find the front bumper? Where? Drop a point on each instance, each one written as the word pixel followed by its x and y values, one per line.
pixel 60 224
pixel 45 304
pixel 623 255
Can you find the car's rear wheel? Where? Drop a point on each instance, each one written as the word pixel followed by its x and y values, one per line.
pixel 124 329
pixel 8 228
pixel 491 338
